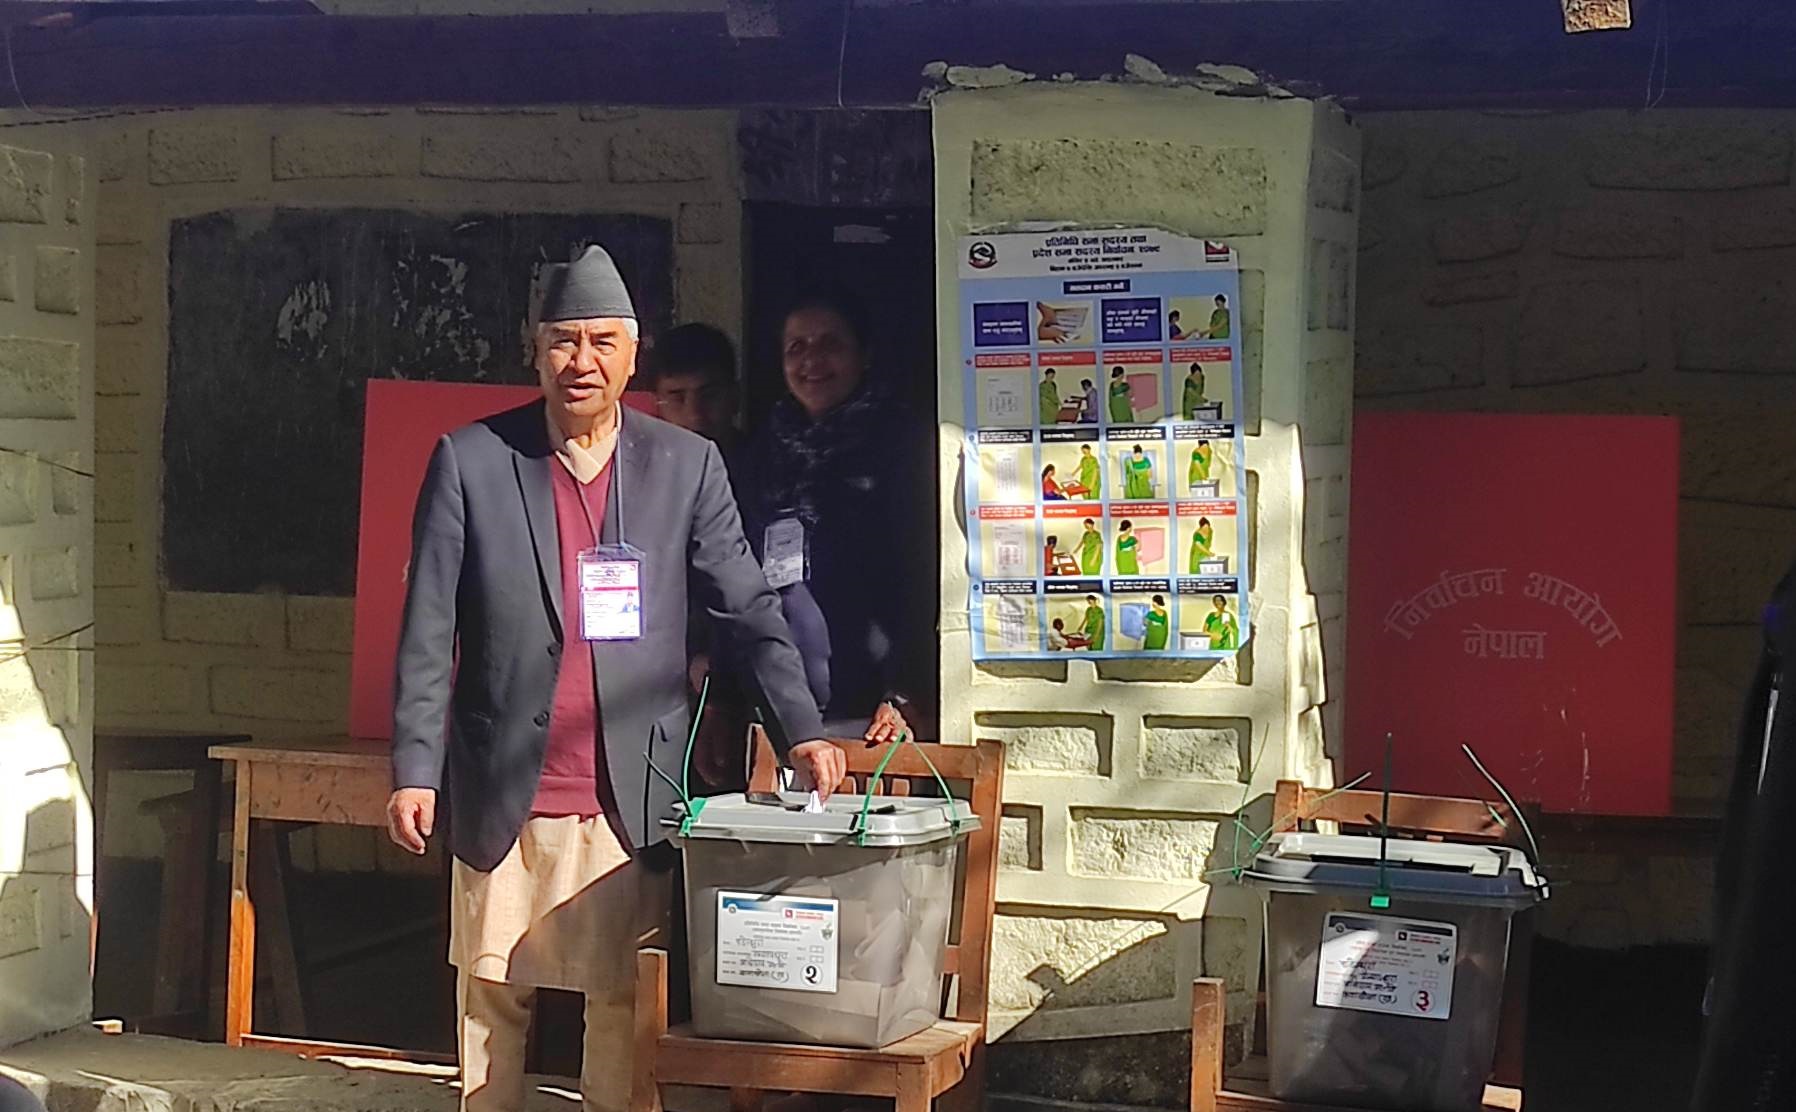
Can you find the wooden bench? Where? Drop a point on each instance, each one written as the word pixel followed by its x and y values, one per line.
pixel 947 1061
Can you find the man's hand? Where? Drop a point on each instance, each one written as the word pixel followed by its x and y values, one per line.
pixel 888 725
pixel 820 765
pixel 411 815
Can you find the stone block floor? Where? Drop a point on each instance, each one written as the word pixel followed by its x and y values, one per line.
pixel 86 1071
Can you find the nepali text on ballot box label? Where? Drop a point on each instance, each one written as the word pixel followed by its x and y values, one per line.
pixel 789 942
pixel 1372 963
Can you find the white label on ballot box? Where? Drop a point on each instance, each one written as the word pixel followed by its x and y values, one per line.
pixel 1374 963
pixel 789 942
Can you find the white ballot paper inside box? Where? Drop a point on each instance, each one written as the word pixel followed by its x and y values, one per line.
pixel 770 941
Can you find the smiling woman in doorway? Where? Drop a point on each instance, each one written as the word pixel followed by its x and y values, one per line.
pixel 837 490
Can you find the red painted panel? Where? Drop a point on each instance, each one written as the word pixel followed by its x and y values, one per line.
pixel 1512 585
pixel 404 420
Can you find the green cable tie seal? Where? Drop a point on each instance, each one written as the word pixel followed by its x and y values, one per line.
pixel 860 820
pixel 683 786
pixel 954 817
pixel 904 738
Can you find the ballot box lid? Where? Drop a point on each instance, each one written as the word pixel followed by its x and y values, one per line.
pixel 852 820
pixel 1452 872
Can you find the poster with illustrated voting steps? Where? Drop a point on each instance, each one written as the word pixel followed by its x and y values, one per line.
pixel 1106 476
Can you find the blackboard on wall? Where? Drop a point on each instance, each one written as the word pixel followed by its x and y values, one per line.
pixel 277 320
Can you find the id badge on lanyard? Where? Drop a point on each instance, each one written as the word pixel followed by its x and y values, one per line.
pixel 611 593
pixel 782 549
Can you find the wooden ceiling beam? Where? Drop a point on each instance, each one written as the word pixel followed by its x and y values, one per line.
pixel 1368 53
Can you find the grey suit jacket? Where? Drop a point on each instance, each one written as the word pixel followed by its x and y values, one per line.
pixel 480 647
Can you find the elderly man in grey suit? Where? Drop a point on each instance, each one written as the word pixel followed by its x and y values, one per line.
pixel 542 682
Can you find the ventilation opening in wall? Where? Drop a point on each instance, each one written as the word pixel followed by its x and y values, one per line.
pixel 1019 838
pixel 1172 846
pixel 1062 744
pixel 1205 750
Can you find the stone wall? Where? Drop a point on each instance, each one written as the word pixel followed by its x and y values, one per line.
pixel 277 665
pixel 1123 775
pixel 46 597
pixel 1609 262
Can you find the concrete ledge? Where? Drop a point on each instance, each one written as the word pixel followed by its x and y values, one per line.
pixel 91 1072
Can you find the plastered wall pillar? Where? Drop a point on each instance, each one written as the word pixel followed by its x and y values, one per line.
pixel 1124 777
pixel 46 578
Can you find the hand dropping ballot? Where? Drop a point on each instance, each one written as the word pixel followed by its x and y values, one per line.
pixel 813 803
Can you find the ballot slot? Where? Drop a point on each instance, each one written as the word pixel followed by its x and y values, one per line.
pixel 800 805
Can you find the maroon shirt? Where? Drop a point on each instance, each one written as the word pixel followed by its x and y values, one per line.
pixel 573 764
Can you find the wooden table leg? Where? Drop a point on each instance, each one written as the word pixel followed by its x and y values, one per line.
pixel 1208 1000
pixel 241 979
pixel 208 790
pixel 650 1025
pixel 913 1089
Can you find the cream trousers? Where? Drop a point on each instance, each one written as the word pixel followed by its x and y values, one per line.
pixel 567 908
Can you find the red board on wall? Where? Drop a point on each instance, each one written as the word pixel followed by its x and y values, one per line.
pixel 1512 585
pixel 404 420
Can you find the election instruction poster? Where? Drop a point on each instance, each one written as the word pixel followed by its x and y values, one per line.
pixel 1106 487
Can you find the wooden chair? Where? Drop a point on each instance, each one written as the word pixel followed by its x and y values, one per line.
pixel 946 1061
pixel 1429 817
pixel 1433 817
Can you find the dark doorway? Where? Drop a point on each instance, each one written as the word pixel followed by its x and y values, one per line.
pixel 885 257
